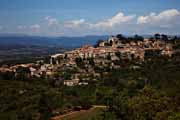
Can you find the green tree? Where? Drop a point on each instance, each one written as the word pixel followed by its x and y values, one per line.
pixel 157 36
pixel 80 62
pixel 23 73
pixel 44 107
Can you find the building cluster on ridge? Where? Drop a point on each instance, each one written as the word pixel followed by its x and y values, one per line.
pixel 107 53
pixel 113 45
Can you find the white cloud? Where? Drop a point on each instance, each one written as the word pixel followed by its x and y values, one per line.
pixel 51 20
pixel 1 27
pixel 35 27
pixel 47 17
pixel 165 19
pixel 74 23
pixel 118 19
pixel 21 27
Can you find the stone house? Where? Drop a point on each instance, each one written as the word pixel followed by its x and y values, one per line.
pixel 71 82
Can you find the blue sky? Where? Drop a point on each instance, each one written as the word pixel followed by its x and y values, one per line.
pixel 89 17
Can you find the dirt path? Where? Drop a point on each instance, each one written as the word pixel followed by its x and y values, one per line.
pixel 76 112
pixel 99 106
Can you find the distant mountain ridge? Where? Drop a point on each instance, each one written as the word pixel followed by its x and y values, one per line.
pixel 26 40
pixel 66 42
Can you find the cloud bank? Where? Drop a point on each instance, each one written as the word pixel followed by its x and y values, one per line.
pixel 35 27
pixel 51 21
pixel 166 21
pixel 118 19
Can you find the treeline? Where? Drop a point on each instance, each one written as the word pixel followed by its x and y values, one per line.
pixel 124 39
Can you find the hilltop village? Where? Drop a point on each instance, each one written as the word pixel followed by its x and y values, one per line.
pixel 86 64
